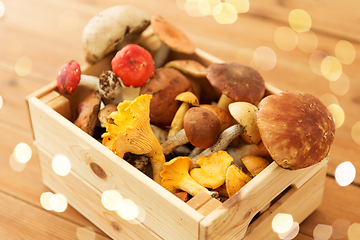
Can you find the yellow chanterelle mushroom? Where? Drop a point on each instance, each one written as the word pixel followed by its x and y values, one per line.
pixel 211 173
pixel 131 132
pixel 235 179
pixel 175 176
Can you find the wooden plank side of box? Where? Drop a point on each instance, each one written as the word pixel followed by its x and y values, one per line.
pixel 87 200
pixel 300 203
pixel 232 218
pixel 166 215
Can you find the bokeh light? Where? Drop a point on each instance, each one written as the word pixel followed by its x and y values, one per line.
pixel 265 58
pixel 241 6
pixel 85 233
pixel 340 228
pixel 282 222
pixel 345 173
pixel 291 233
pixel 197 8
pixel 303 72
pixel 307 41
pixel 354 231
pixel 225 13
pixel 355 132
pixel 338 113
pixel 128 210
pixel 112 200
pixel 331 68
pixel 68 20
pixel 22 152
pixel 61 165
pixel 58 202
pixel 315 60
pixel 345 52
pixel 341 86
pixel 15 164
pixel 322 232
pixel 285 38
pixel 327 99
pixel 2 9
pixel 1 102
pixel 23 66
pixel 45 200
pixel 300 20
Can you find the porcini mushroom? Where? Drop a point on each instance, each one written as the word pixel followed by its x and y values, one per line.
pixel 108 29
pixel 187 100
pixel 236 82
pixel 235 179
pixel 201 129
pixel 296 128
pixel 175 176
pixel 164 86
pixel 245 114
pixel 87 112
pixel 211 173
pixel 131 132
pixel 133 65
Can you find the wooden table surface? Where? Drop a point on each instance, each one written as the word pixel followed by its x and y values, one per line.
pixel 37 37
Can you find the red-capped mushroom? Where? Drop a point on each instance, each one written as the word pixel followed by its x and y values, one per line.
pixel 68 77
pixel 134 65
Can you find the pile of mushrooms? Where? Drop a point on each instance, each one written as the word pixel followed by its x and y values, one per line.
pixel 202 128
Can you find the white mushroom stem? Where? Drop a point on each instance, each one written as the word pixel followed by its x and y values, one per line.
pixel 225 138
pixel 247 149
pixel 175 141
pixel 89 81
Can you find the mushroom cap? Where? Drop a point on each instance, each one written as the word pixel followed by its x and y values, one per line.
pixel 226 120
pixel 109 28
pixel 164 86
pixel 296 128
pixel 202 127
pixel 188 66
pixel 172 36
pixel 175 176
pixel 188 97
pixel 235 179
pixel 245 114
pixel 254 164
pixel 110 88
pixel 239 82
pixel 211 173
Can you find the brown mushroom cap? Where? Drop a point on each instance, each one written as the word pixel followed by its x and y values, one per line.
pixel 296 128
pixel 202 127
pixel 171 35
pixel 238 82
pixel 226 120
pixel 164 86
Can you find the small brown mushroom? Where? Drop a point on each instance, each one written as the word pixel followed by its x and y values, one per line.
pixel 187 100
pixel 236 82
pixel 87 111
pixel 164 86
pixel 110 87
pixel 201 129
pixel 296 128
pixel 254 164
pixel 105 112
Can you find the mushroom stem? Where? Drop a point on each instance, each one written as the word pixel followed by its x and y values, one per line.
pixel 91 82
pixel 175 141
pixel 177 122
pixel 225 138
pixel 224 102
pixel 247 149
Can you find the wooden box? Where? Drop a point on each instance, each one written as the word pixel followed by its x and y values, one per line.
pixel 95 169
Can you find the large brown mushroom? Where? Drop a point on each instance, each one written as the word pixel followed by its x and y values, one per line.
pixel 164 86
pixel 296 128
pixel 236 82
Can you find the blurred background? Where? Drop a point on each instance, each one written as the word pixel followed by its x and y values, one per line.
pixel 309 46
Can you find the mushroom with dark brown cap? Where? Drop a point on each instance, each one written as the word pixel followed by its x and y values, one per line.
pixel 236 82
pixel 296 128
pixel 164 86
pixel 201 129
pixel 108 29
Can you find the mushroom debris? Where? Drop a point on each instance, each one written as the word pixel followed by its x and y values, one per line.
pixel 229 120
pixel 131 132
